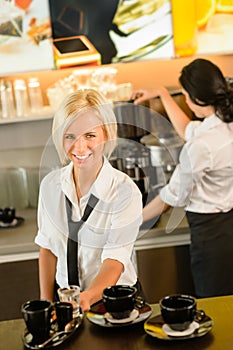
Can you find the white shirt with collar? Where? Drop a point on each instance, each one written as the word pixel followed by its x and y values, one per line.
pixel 109 232
pixel 203 180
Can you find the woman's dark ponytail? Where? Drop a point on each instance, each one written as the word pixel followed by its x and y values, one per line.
pixel 207 86
pixel 224 106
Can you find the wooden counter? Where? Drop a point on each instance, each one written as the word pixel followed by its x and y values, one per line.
pixel 133 337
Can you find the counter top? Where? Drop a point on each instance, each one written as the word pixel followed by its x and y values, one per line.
pixel 132 337
pixel 171 230
pixel 18 243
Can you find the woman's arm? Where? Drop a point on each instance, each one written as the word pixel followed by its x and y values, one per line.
pixel 176 115
pixel 154 208
pixel 108 275
pixel 47 272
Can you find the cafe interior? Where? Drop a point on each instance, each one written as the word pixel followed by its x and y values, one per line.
pixel 49 48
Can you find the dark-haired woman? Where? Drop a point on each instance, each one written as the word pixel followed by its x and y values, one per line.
pixel 203 180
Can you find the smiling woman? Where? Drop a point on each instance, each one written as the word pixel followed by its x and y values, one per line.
pixel 72 109
pixel 84 134
pixel 84 140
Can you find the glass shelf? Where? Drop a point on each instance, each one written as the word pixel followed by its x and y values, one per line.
pixel 46 113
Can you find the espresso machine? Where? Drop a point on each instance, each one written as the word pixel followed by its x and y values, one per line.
pixel 130 155
pixel 147 148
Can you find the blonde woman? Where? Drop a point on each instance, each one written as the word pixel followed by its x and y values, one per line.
pixel 84 134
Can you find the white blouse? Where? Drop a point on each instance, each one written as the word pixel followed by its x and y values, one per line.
pixel 203 180
pixel 109 232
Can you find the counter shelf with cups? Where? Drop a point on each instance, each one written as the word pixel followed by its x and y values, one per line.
pixel 20 186
pixel 19 195
pixel 103 79
pixel 21 98
pixel 9 218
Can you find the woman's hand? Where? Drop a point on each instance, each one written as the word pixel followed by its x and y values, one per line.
pixel 142 95
pixel 176 115
pixel 85 301
pixel 108 275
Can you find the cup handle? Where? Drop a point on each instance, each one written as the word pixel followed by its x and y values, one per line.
pixel 199 315
pixel 53 320
pixel 139 302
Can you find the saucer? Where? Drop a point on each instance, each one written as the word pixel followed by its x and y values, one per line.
pixel 15 223
pixel 157 328
pixel 133 315
pixel 97 316
pixel 169 331
pixel 59 339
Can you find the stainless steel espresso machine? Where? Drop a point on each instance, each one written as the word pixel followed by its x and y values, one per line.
pixel 147 148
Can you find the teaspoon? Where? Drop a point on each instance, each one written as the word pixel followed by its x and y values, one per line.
pixel 68 329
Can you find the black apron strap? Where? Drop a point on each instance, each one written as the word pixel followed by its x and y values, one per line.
pixel 72 242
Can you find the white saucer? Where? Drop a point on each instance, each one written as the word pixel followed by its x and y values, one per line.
pixel 98 318
pixel 133 315
pixel 193 326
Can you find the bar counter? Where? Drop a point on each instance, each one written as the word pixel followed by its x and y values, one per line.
pixel 133 337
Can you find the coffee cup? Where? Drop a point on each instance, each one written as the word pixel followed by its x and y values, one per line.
pixel 64 314
pixel 119 300
pixel 179 311
pixel 7 215
pixel 37 315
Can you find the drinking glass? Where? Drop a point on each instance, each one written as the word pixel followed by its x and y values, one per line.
pixel 71 294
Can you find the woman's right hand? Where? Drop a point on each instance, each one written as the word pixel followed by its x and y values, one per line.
pixel 142 95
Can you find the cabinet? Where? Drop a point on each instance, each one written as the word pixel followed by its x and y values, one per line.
pixel 165 270
pixel 19 283
pixel 163 258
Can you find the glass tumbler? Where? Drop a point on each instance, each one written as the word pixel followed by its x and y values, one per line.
pixel 35 95
pixel 71 294
pixel 21 98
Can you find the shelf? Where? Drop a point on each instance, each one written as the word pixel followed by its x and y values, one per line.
pixel 45 114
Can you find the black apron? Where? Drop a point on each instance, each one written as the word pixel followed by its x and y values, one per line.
pixel 211 253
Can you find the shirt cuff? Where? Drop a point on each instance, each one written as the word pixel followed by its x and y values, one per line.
pixel 120 254
pixel 42 241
